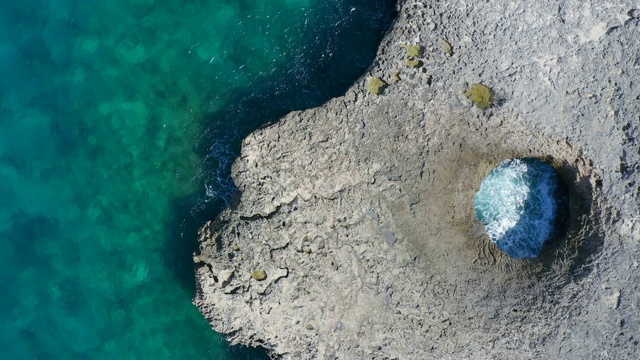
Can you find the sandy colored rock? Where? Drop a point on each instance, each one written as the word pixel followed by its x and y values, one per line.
pixel 380 189
pixel 446 46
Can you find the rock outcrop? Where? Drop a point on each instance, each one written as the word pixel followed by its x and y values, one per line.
pixel 353 234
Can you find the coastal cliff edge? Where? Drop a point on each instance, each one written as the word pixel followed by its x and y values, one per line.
pixel 353 233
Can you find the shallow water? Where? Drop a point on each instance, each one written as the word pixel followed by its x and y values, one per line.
pixel 118 123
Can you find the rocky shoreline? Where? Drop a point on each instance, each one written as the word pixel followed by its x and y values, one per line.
pixel 353 234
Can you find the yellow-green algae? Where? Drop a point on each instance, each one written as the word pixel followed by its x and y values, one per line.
pixel 413 50
pixel 414 63
pixel 396 76
pixel 376 85
pixel 481 95
pixel 259 275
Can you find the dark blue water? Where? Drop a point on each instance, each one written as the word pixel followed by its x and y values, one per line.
pixel 118 124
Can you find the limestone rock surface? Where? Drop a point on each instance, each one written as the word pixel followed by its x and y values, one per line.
pixel 360 211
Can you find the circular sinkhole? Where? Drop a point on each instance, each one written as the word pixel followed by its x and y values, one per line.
pixel 522 203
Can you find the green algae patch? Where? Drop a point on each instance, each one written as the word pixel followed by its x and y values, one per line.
pixel 376 85
pixel 396 76
pixel 413 50
pixel 259 275
pixel 414 63
pixel 481 95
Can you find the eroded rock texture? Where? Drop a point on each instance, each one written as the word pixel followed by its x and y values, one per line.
pixel 360 212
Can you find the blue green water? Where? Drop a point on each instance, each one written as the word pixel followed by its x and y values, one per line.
pixel 518 203
pixel 118 123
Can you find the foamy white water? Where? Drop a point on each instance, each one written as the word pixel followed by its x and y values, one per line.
pixel 516 203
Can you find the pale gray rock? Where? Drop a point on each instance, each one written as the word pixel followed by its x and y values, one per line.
pixel 361 211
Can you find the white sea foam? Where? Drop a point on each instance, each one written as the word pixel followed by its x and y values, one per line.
pixel 517 206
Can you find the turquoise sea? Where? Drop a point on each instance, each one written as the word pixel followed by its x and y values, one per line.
pixel 119 120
